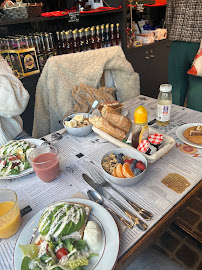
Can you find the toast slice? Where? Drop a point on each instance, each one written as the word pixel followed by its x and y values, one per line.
pixel 64 218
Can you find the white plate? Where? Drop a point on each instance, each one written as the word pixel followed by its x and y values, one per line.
pixel 37 142
pixel 181 129
pixel 97 112
pixel 110 247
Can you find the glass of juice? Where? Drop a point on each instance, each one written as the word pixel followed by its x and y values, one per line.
pixel 10 218
pixel 45 162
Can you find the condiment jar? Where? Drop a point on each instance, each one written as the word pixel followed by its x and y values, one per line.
pixel 164 102
pixel 140 130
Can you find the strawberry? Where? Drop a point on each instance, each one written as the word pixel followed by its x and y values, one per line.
pixel 128 160
pixel 140 166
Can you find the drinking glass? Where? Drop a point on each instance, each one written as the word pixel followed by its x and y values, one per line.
pixel 10 218
pixel 45 162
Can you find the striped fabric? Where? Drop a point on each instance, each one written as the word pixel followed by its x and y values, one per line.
pixel 184 20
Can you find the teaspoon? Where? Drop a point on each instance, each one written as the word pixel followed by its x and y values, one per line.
pixel 96 197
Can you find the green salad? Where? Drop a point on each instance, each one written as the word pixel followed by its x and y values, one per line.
pixel 14 157
pixel 59 245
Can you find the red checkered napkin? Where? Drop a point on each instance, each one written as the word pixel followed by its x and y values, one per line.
pixel 143 146
pixel 155 139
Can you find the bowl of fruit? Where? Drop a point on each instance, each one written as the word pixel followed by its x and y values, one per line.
pixel 77 124
pixel 123 167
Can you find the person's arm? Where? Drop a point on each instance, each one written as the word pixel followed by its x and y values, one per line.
pixel 169 14
pixel 13 96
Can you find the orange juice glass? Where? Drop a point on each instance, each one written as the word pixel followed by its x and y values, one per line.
pixel 10 218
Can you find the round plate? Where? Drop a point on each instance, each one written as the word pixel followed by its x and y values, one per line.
pixel 181 129
pixel 108 253
pixel 37 142
pixel 97 112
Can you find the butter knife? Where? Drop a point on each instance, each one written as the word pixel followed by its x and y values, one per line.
pixel 141 211
pixel 136 220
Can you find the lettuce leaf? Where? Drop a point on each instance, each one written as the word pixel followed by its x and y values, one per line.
pixel 30 250
pixel 25 264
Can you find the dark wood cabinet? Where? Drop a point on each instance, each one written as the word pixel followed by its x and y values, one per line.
pixel 151 62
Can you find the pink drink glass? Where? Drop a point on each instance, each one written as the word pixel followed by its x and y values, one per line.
pixel 45 162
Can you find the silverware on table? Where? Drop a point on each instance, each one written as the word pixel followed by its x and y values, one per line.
pixel 141 211
pixel 96 197
pixel 136 220
pixel 54 137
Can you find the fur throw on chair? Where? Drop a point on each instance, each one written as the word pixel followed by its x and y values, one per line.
pixel 61 74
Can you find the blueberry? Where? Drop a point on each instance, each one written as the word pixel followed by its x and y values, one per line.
pixel 120 155
pixel 134 161
pixel 137 171
pixel 132 166
pixel 120 160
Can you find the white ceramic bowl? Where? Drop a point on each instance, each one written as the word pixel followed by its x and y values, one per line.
pixel 82 131
pixel 125 182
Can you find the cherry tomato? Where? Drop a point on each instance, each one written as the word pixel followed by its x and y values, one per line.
pixel 61 252
pixel 12 158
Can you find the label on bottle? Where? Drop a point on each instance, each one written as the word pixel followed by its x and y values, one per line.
pixel 163 113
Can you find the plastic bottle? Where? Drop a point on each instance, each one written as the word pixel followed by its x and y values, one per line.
pixel 164 102
pixel 140 130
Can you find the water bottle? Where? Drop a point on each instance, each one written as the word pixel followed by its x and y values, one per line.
pixel 164 102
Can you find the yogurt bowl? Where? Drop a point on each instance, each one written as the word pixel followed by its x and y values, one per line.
pixel 112 158
pixel 73 124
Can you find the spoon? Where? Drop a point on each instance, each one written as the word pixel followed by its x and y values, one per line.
pixel 95 103
pixel 96 197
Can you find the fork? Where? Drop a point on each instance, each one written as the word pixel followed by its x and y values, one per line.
pixel 54 137
pixel 144 213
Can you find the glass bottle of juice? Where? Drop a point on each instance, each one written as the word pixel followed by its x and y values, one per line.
pixel 164 102
pixel 140 130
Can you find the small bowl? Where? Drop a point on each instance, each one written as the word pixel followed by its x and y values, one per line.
pixel 125 182
pixel 81 131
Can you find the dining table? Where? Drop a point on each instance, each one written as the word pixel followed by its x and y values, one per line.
pixel 82 155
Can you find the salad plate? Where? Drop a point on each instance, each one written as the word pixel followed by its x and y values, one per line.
pixel 107 254
pixel 180 130
pixel 36 142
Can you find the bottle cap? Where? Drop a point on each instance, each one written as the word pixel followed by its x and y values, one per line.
pixel 165 87
pixel 140 115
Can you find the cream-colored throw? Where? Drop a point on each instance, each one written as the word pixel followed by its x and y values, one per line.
pixel 13 101
pixel 62 73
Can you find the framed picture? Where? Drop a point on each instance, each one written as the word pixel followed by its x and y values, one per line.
pixel 95 3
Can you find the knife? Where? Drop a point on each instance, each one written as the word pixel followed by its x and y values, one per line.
pixel 136 220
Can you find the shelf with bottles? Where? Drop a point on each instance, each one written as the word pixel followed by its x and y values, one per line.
pixel 48 44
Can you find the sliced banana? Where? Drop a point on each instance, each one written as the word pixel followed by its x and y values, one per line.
pixel 67 123
pixel 73 123
pixel 79 118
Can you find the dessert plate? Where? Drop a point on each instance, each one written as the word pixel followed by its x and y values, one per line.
pixel 108 253
pixel 37 142
pixel 181 129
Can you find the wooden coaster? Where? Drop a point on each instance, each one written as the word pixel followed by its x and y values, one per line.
pixel 176 182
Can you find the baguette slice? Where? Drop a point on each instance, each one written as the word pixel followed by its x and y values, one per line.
pixel 105 126
pixel 116 119
pixel 116 105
